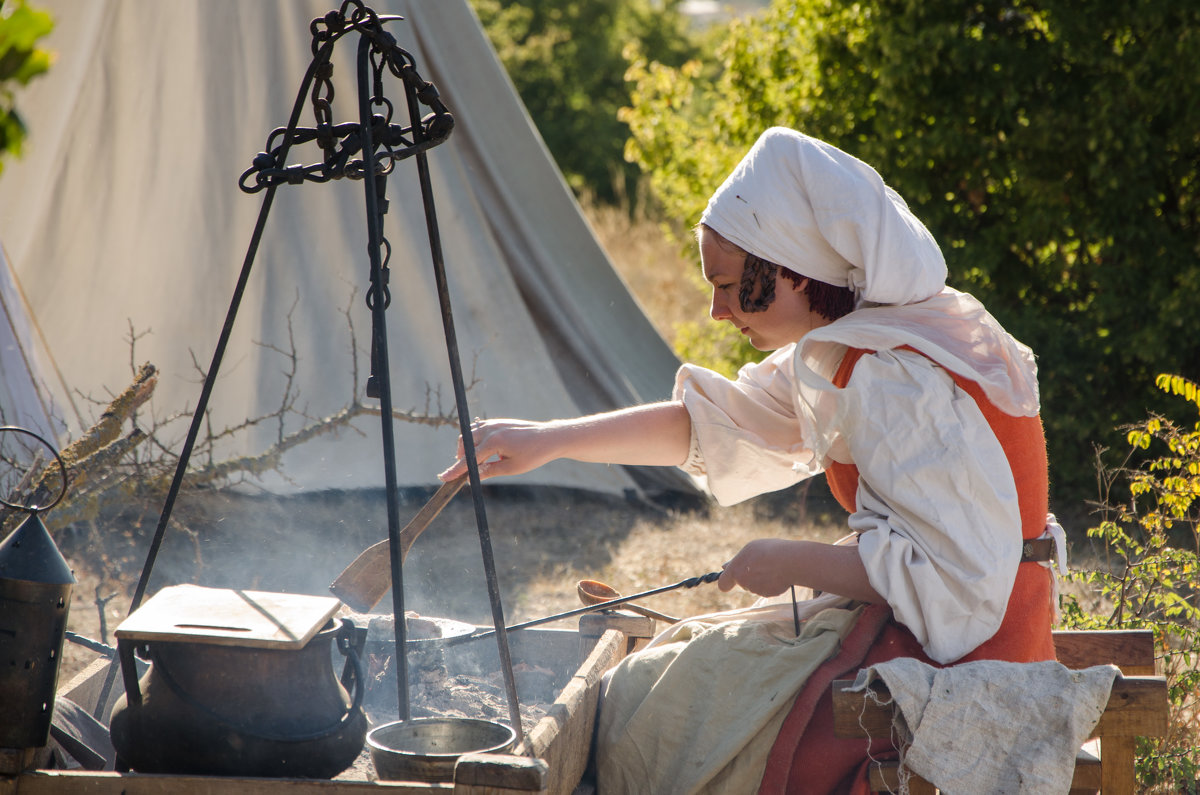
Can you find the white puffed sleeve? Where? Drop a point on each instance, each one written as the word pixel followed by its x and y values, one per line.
pixel 745 438
pixel 937 510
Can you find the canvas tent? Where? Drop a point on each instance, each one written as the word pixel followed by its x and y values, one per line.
pixel 125 225
pixel 26 372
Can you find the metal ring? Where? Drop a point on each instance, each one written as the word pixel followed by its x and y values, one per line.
pixel 62 469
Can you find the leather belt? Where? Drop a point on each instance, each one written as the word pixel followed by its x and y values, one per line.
pixel 1037 550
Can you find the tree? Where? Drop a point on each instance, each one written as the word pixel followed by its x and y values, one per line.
pixel 1052 151
pixel 20 61
pixel 1148 576
pixel 565 59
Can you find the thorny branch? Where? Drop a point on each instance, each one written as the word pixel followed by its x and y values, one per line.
pixel 105 468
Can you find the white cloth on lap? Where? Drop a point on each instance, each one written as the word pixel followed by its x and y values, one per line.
pixel 992 726
pixel 699 711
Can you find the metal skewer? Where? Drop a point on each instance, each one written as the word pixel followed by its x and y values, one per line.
pixel 691 582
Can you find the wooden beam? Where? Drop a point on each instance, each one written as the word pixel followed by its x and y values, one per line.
pixel 501 772
pixel 1131 650
pixel 1137 707
pixel 80 782
pixel 885 776
pixel 563 738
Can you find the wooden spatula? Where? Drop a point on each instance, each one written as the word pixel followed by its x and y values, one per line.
pixel 368 577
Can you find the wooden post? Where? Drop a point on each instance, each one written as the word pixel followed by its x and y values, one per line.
pixel 1116 765
pixel 638 629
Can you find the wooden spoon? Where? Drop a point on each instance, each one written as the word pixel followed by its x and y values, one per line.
pixel 593 592
pixel 369 576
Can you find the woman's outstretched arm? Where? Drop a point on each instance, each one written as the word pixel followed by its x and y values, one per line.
pixel 656 434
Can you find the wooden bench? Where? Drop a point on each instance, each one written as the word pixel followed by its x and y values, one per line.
pixel 1136 708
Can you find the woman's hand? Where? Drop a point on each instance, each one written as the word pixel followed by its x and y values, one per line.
pixel 765 566
pixel 506 447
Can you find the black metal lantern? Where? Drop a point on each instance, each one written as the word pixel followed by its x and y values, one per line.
pixel 35 595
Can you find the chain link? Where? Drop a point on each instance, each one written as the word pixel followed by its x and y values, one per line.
pixel 341 144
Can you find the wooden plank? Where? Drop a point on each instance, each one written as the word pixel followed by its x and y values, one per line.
pixel 632 624
pixel 1131 650
pixel 885 776
pixel 488 773
pixel 227 617
pixel 1116 766
pixel 87 685
pixel 73 782
pixel 16 760
pixel 855 714
pixel 1087 768
pixel 563 738
pixel 84 687
pixel 1137 707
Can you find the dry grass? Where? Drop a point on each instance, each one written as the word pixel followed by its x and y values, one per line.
pixel 659 265
pixel 662 550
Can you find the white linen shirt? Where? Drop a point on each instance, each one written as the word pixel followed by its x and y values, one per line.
pixel 936 508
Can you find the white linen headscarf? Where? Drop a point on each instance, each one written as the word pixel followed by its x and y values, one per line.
pixel 808 206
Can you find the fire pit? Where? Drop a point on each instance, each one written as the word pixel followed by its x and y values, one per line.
pixel 454 681
pixel 554 751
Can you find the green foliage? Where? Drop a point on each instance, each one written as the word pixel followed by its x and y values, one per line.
pixel 718 347
pixel 20 61
pixel 1152 539
pixel 1052 149
pixel 565 58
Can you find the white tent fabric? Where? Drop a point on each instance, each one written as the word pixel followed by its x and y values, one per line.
pixel 26 371
pixel 124 222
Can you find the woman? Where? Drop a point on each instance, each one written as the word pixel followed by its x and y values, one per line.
pixel 921 411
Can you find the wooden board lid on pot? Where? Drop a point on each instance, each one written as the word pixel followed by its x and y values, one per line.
pixel 229 617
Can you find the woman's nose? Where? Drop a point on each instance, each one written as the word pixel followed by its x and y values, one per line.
pixel 719 309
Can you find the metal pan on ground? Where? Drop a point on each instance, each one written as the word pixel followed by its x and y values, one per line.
pixel 426 749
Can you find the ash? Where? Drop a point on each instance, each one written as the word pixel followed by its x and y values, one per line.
pixel 448 685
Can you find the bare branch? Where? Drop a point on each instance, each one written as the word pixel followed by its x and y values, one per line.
pixel 107 468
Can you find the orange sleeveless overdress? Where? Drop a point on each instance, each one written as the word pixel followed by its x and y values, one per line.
pixel 806 757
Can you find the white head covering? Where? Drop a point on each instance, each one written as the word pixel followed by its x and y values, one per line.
pixel 810 207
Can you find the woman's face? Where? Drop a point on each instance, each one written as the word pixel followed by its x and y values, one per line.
pixel 786 320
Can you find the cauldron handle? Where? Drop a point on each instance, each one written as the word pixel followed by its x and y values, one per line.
pixel 351 641
pixel 133 692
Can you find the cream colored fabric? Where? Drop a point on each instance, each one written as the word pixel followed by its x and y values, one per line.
pixel 820 212
pixel 992 726
pixel 699 711
pixel 920 443
pixel 952 329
